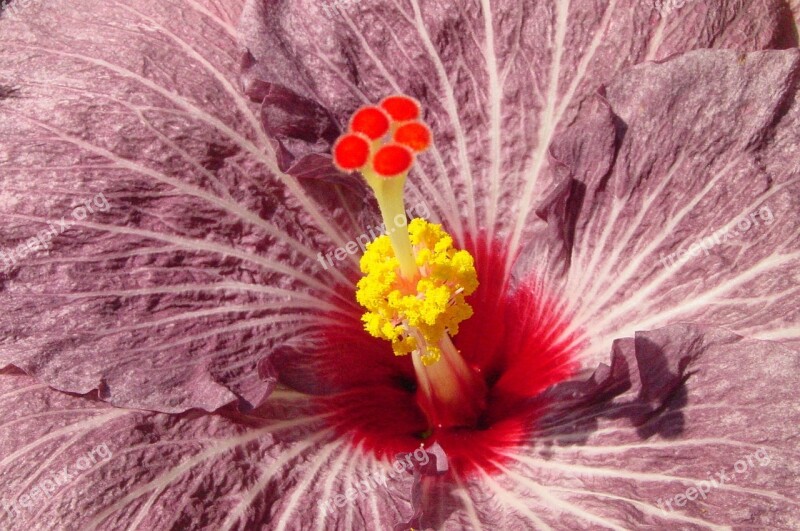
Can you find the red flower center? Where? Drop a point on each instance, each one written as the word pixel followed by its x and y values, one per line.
pixel 515 342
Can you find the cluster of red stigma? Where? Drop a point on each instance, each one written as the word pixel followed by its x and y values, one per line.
pixel 385 137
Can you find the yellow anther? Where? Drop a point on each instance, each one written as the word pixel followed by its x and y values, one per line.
pixel 417 317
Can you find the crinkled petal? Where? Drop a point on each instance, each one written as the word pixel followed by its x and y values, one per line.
pixel 74 462
pixel 607 446
pixel 197 252
pixel 683 200
pixel 675 433
pixel 498 80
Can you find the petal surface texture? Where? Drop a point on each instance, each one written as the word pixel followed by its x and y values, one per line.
pixel 180 345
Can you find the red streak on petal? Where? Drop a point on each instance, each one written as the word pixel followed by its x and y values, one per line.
pixel 370 121
pixel 401 108
pixel 351 152
pixel 392 160
pixel 415 135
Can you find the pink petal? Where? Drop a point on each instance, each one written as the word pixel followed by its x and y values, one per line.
pixel 689 162
pixel 205 253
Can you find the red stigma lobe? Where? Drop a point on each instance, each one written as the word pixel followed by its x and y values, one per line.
pixel 401 108
pixel 414 135
pixel 370 121
pixel 392 160
pixel 351 152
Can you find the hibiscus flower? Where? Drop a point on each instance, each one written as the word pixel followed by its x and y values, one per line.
pixel 612 191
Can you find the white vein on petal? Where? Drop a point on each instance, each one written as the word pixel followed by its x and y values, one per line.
pixel 302 488
pixel 51 457
pixel 327 489
pixel 658 445
pixel 696 301
pixel 547 127
pixel 269 473
pixel 227 205
pixel 176 472
pixel 462 493
pixel 197 314
pixel 495 112
pixel 371 470
pixel 644 507
pixel 590 284
pixel 242 104
pixel 229 28
pixel 586 58
pixel 634 263
pixel 269 161
pixel 223 286
pixel 196 245
pixel 23 390
pixel 509 499
pixel 658 38
pixel 556 502
pixel 271 320
pixel 639 476
pixel 452 110
pixel 349 480
pixel 96 420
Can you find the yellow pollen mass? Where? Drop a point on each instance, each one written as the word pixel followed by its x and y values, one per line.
pixel 415 314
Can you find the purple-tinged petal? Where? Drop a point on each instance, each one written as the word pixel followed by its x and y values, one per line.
pixel 795 6
pixel 73 462
pixel 498 80
pixel 198 252
pixel 705 169
pixel 300 125
pixel 427 478
pixel 645 457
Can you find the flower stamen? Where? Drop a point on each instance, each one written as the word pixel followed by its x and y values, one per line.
pixel 419 314
pixel 415 282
